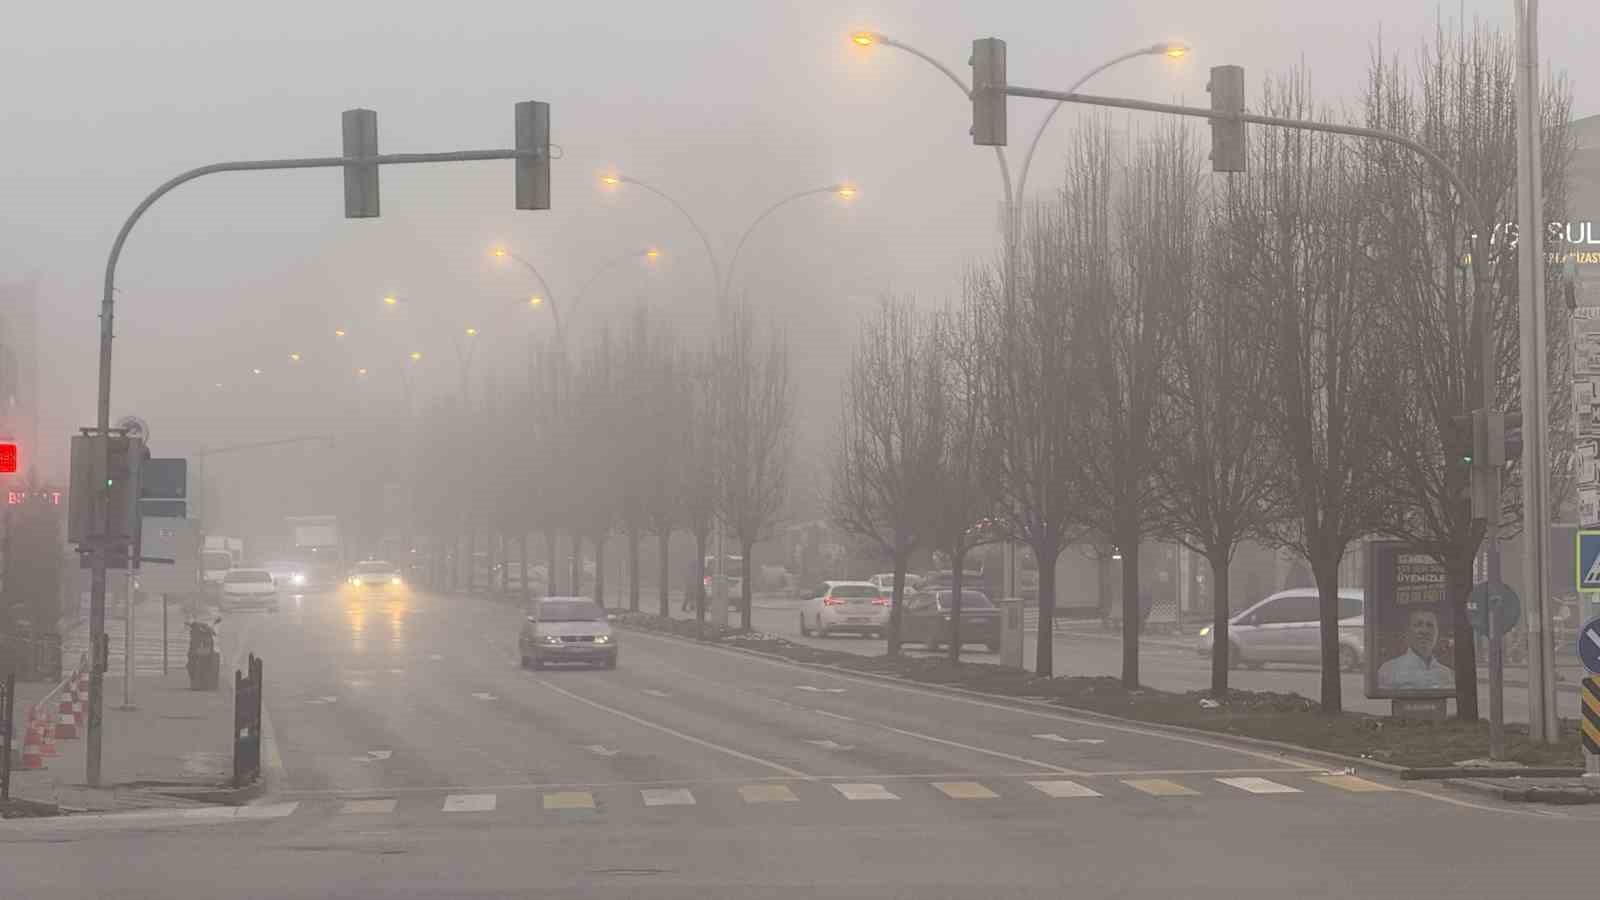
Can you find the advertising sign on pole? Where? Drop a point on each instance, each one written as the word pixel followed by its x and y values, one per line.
pixel 1408 623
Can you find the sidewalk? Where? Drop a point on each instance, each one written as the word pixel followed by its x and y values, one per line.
pixel 175 740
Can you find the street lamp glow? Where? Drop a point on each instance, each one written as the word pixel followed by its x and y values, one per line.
pixel 866 38
pixel 255 371
pixel 294 357
pixel 498 252
pixel 391 300
pixel 361 371
pixel 845 191
pixel 416 355
pixel 535 300
pixel 610 180
pixel 472 332
pixel 652 254
pixel 1173 49
pixel 338 332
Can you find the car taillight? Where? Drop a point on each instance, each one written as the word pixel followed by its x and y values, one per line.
pixel 708 581
pixel 882 600
pixel 832 601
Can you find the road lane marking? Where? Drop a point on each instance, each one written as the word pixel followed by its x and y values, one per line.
pixel 378 806
pixel 964 790
pixel 976 749
pixel 468 803
pixel 601 750
pixel 1352 783
pixel 1052 736
pixel 483 695
pixel 817 690
pixel 767 793
pixel 852 791
pixel 832 715
pixel 1159 787
pixel 569 800
pixel 1063 789
pixel 961 695
pixel 269 810
pixel 655 693
pixel 667 797
pixel 828 744
pixel 1259 785
pixel 374 756
pixel 702 742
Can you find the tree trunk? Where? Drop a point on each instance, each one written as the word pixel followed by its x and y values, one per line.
pixel 665 539
pixel 1221 650
pixel 747 584
pixel 699 586
pixel 957 555
pixel 1044 657
pixel 1458 573
pixel 522 562
pixel 575 569
pixel 633 570
pixel 1326 572
pixel 897 596
pixel 550 562
pixel 498 549
pixel 1132 615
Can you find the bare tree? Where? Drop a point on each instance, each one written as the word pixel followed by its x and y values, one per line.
pixel 755 407
pixel 961 499
pixel 1030 398
pixel 1217 464
pixel 1131 270
pixel 890 439
pixel 698 475
pixel 1303 229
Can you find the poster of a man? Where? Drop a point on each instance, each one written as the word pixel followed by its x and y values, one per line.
pixel 1417 668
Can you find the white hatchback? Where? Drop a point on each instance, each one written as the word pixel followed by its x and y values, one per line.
pixel 857 607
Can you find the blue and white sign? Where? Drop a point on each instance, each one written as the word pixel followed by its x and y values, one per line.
pixel 1588 558
pixel 1589 646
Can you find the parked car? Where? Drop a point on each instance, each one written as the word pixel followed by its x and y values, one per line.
pixel 567 629
pixel 928 618
pixel 249 588
pixel 1285 628
pixel 845 606
pixel 885 583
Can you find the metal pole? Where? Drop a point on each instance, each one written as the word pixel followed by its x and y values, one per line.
pixel 163 634
pixel 127 637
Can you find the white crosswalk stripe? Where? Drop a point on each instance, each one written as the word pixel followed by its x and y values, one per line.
pixel 379 806
pixel 865 792
pixel 469 803
pixel 1259 786
pixel 667 797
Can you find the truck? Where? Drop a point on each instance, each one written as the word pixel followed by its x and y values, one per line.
pixel 217 555
pixel 316 543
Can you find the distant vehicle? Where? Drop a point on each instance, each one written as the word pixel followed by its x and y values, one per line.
pixel 234 547
pixel 928 616
pixel 317 547
pixel 287 575
pixel 567 629
pixel 840 607
pixel 1285 628
pixel 214 565
pixel 249 588
pixel 733 574
pixel 885 582
pixel 376 574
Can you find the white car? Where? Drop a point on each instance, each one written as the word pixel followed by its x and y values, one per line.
pixel 846 606
pixel 290 576
pixel 567 629
pixel 1284 628
pixel 249 588
pixel 885 583
pixel 375 574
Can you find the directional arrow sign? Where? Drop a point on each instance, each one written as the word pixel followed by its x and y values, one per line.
pixel 807 687
pixel 601 750
pixel 1066 740
pixel 830 745
pixel 1589 646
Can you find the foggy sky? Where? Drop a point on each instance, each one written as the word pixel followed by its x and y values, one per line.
pixel 728 106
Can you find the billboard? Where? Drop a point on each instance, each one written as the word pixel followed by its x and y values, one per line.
pixel 1408 622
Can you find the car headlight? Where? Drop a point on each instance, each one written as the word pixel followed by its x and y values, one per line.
pixel 549 638
pixel 354 581
pixel 1205 631
pixel 395 580
pixel 297 578
pixel 602 639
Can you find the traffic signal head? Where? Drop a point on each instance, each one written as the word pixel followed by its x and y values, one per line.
pixel 8 457
pixel 1227 135
pixel 533 175
pixel 360 181
pixel 988 92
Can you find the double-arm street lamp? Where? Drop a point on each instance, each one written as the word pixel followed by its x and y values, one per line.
pixel 548 297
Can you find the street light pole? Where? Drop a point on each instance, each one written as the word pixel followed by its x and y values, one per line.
pixel 843 190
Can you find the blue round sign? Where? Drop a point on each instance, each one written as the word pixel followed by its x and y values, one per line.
pixel 1589 646
pixel 1482 596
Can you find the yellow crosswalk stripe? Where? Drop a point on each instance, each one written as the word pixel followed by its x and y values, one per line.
pixel 964 790
pixel 1063 789
pixel 1159 787
pixel 767 793
pixel 569 800
pixel 1351 783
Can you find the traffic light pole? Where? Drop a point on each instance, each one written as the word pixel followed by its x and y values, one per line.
pixel 100 549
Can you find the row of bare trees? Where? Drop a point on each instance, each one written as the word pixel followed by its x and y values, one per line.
pixel 636 433
pixel 1274 356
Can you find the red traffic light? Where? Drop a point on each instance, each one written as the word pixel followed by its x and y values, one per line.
pixel 8 457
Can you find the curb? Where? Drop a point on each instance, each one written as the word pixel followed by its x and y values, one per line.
pixel 1221 737
pixel 1531 794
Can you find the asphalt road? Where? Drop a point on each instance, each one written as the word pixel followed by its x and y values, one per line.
pixel 410 756
pixel 1166 662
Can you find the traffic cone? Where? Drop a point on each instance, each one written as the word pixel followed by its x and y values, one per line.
pixel 32 752
pixel 47 734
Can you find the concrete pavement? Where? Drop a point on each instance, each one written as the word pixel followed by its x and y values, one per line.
pixel 418 759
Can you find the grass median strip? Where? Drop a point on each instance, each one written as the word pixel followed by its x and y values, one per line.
pixel 1283 717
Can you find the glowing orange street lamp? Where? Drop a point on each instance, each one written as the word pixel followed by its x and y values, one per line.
pixel 338 332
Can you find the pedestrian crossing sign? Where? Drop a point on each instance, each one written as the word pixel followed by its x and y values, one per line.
pixel 1588 557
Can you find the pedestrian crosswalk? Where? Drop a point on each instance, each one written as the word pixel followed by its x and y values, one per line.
pixel 147 641
pixel 1302 784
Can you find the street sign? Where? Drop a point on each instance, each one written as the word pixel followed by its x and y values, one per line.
pixel 1589 723
pixel 1588 558
pixel 1589 646
pixel 1485 595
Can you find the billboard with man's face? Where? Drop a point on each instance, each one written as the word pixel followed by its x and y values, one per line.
pixel 1408 624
